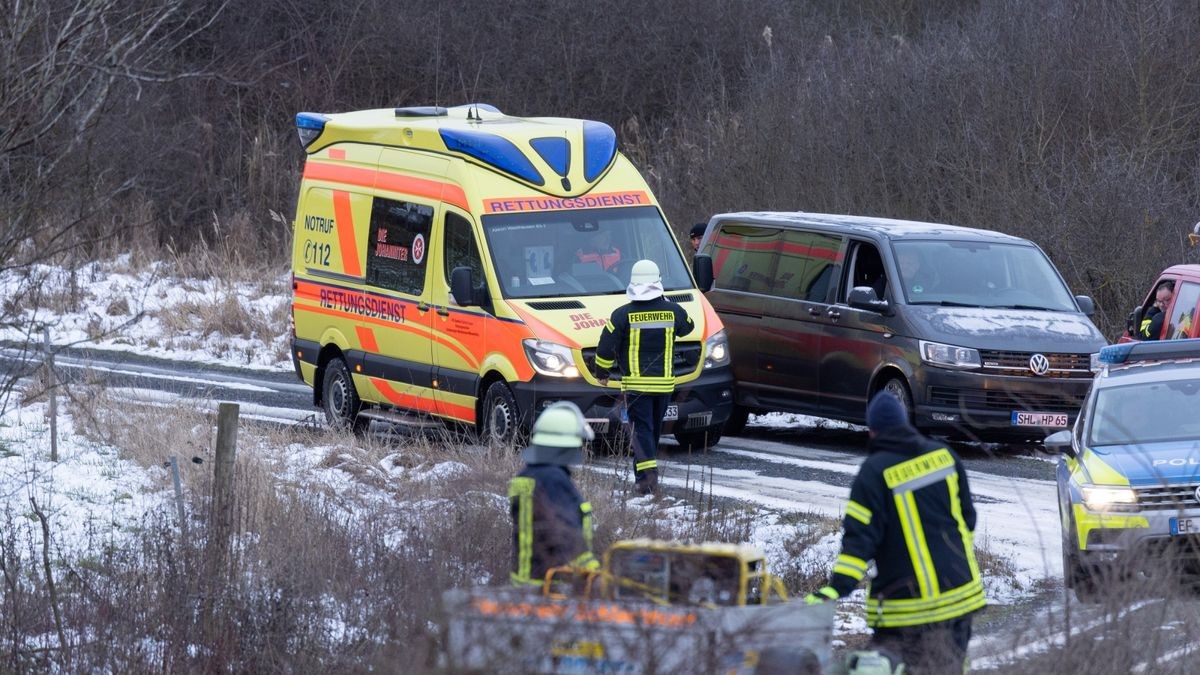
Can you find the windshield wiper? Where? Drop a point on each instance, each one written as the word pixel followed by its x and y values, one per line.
pixel 945 303
pixel 1035 307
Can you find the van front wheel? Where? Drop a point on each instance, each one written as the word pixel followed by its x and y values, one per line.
pixel 899 389
pixel 500 422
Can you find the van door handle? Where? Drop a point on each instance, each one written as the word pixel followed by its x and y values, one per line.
pixel 833 314
pixel 815 311
pixel 443 311
pixel 422 306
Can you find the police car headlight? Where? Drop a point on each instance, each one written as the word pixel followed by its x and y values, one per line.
pixel 949 356
pixel 1109 498
pixel 550 358
pixel 716 350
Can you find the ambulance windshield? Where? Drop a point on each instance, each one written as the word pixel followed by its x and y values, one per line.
pixel 549 254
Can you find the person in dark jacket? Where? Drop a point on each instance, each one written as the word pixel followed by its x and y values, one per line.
pixel 910 511
pixel 1152 323
pixel 552 524
pixel 639 339
pixel 695 235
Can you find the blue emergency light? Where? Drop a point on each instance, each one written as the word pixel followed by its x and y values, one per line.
pixel 599 148
pixel 309 126
pixel 556 151
pixel 493 150
pixel 1151 350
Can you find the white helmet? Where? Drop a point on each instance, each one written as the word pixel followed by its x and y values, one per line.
pixel 645 281
pixel 558 436
pixel 644 272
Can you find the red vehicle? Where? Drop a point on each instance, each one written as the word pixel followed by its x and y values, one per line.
pixel 1181 313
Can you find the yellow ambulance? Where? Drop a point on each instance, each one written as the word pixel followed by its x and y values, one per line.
pixel 459 264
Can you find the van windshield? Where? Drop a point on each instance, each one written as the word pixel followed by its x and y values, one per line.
pixel 577 253
pixel 980 274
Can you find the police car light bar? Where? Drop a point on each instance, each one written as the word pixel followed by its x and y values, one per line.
pixel 1154 350
pixel 309 126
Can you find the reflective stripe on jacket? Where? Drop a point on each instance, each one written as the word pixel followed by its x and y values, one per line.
pixel 552 525
pixel 640 339
pixel 910 511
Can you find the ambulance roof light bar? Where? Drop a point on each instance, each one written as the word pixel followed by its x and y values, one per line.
pixel 309 126
pixel 1152 350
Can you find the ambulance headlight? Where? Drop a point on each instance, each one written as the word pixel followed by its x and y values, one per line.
pixel 716 350
pixel 1109 498
pixel 550 358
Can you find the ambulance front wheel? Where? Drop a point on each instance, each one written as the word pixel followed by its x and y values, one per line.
pixel 340 399
pixel 500 423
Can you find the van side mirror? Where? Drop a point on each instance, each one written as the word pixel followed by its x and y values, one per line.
pixel 462 285
pixel 1060 442
pixel 703 271
pixel 864 297
pixel 1086 305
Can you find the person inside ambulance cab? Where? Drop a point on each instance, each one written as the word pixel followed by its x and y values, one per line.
pixel 1152 323
pixel 599 249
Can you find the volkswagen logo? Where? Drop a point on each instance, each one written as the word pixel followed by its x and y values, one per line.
pixel 1039 364
pixel 1198 494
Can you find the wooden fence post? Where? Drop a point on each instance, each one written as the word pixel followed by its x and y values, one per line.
pixel 52 394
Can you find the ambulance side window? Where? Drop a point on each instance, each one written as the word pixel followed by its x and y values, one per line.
pixel 461 249
pixel 398 245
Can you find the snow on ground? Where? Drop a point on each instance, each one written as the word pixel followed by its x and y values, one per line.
pixel 151 313
pixel 90 496
pixel 148 312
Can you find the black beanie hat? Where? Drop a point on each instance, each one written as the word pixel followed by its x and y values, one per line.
pixel 886 413
pixel 698 229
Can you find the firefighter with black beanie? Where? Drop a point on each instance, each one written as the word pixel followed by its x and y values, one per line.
pixel 910 511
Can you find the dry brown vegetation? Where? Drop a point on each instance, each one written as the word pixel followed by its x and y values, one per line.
pixel 1071 122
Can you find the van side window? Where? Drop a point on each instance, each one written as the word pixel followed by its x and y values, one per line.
pixel 867 270
pixel 745 258
pixel 1183 313
pixel 398 245
pixel 809 265
pixel 460 249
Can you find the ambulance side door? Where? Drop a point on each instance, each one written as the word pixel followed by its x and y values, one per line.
pixel 398 367
pixel 460 331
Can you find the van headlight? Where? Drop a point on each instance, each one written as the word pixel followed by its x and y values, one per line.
pixel 949 356
pixel 1109 498
pixel 550 358
pixel 716 350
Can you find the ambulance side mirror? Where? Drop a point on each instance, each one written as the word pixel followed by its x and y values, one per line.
pixel 702 269
pixel 462 285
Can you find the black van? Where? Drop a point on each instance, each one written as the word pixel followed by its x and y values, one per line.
pixel 975 331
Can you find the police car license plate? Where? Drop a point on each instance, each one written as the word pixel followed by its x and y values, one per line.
pixel 1185 526
pixel 672 413
pixel 1021 418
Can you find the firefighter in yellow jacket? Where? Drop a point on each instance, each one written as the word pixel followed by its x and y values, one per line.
pixel 552 524
pixel 910 511
pixel 639 339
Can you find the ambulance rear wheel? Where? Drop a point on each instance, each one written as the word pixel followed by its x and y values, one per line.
pixel 340 399
pixel 500 423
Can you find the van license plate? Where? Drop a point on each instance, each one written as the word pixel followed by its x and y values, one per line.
pixel 1021 418
pixel 1185 526
pixel 672 413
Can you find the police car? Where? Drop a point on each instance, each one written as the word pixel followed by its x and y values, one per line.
pixel 1129 475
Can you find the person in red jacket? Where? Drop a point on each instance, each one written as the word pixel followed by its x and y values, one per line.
pixel 910 512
